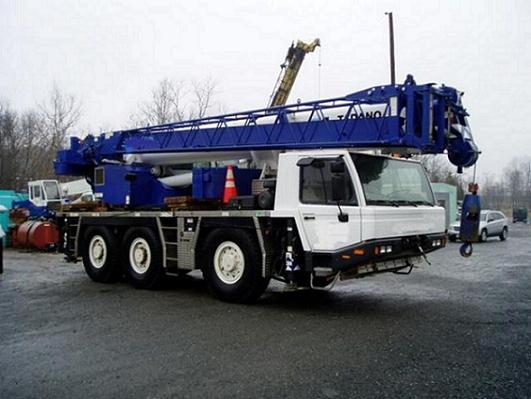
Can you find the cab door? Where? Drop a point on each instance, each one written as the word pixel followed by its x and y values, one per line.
pixel 499 222
pixel 325 228
pixel 493 224
pixel 36 194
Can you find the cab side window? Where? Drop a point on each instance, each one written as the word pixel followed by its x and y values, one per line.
pixel 316 184
pixel 36 192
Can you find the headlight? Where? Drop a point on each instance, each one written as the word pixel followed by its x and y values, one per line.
pixel 383 249
pixel 438 243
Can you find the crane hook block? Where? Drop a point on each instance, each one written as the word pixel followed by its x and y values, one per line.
pixel 470 217
pixel 466 249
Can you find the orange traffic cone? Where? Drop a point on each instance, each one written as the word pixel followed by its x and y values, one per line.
pixel 230 186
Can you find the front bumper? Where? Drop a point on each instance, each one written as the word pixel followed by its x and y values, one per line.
pixel 454 232
pixel 390 251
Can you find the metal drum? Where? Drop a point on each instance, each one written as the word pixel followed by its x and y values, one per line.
pixel 43 235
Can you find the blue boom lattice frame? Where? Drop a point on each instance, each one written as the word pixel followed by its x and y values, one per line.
pixel 427 118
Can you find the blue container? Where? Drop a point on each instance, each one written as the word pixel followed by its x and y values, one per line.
pixel 7 197
pixel 134 186
pixel 209 183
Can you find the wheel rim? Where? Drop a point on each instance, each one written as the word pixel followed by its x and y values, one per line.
pixel 229 262
pixel 97 251
pixel 140 255
pixel 484 235
pixel 504 233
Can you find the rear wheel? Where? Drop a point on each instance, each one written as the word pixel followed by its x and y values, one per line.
pixel 452 238
pixel 503 234
pixel 141 251
pixel 483 236
pixel 101 255
pixel 232 266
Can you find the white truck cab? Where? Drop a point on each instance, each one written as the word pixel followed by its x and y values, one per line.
pixel 384 197
pixel 44 192
pixel 385 208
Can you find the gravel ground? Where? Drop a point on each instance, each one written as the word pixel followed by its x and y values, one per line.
pixel 457 328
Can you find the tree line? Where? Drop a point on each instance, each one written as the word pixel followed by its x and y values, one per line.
pixel 507 190
pixel 511 189
pixel 29 140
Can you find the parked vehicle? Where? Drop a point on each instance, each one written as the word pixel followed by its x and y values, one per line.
pixel 520 215
pixel 492 224
pixel 320 200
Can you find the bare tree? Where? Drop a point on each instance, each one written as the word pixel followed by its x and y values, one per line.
pixel 61 112
pixel 165 106
pixel 172 101
pixel 493 193
pixel 441 171
pixel 203 93
pixel 518 176
pixel 9 146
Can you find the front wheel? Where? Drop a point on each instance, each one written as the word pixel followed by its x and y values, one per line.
pixel 503 234
pixel 483 236
pixel 232 266
pixel 141 251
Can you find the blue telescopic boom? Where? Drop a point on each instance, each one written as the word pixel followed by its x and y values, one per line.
pixel 425 118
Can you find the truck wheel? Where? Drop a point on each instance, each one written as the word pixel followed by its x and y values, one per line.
pixel 503 235
pixel 141 251
pixel 452 238
pixel 100 253
pixel 232 266
pixel 483 236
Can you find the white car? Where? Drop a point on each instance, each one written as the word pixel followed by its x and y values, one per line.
pixel 492 223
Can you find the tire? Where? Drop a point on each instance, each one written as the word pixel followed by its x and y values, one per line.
pixel 503 234
pixel 101 255
pixel 452 238
pixel 232 266
pixel 483 236
pixel 142 258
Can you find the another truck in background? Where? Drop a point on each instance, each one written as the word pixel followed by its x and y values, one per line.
pixel 520 215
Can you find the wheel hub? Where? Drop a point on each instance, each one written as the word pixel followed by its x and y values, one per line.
pixel 97 252
pixel 229 262
pixel 140 255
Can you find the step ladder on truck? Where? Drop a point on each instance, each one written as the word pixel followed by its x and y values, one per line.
pixel 327 190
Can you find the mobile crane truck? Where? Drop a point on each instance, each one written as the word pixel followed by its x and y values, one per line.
pixel 325 192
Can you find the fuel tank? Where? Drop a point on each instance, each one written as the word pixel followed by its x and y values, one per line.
pixel 42 235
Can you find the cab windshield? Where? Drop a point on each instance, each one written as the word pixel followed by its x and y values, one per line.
pixel 393 182
pixel 52 190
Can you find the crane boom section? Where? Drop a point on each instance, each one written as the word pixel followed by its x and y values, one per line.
pixel 423 118
pixel 290 70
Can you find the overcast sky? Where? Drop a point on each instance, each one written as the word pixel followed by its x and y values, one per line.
pixel 111 53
